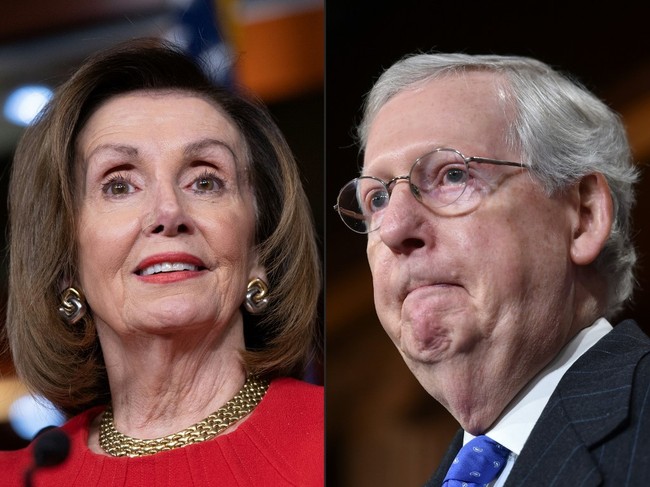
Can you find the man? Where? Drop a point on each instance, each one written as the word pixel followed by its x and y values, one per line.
pixel 496 197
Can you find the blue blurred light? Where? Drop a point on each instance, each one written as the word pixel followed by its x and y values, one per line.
pixel 29 414
pixel 25 103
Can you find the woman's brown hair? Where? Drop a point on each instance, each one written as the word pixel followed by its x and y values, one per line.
pixel 64 362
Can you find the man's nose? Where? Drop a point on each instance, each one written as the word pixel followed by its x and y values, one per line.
pixel 401 225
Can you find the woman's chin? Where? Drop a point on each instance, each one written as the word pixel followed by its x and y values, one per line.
pixel 177 317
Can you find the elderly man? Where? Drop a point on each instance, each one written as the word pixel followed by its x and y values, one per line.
pixel 496 197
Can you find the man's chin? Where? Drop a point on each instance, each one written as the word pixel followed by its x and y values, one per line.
pixel 424 349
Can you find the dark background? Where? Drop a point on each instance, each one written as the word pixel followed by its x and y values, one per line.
pixel 382 428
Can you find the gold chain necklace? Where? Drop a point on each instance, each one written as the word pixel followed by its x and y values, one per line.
pixel 119 445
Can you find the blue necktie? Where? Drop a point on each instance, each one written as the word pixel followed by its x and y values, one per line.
pixel 477 464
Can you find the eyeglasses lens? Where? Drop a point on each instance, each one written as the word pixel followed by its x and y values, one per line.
pixel 438 180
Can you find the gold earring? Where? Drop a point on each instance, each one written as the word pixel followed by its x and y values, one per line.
pixel 256 296
pixel 73 306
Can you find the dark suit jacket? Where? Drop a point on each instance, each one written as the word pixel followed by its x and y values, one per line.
pixel 595 429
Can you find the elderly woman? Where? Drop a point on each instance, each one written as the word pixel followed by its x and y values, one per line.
pixel 163 281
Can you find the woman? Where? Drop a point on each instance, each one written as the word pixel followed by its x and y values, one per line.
pixel 162 263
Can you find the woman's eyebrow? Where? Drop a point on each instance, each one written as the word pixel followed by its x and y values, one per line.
pixel 200 145
pixel 127 150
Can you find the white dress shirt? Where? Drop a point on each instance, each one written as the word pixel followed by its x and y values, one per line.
pixel 515 424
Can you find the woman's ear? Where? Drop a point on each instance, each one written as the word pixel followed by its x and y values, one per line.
pixel 65 282
pixel 595 218
pixel 257 289
pixel 258 271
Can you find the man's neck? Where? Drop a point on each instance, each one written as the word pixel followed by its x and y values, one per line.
pixel 514 425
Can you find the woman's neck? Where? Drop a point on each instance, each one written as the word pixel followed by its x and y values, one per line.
pixel 162 384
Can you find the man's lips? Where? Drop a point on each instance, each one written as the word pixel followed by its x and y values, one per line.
pixel 423 286
pixel 169 262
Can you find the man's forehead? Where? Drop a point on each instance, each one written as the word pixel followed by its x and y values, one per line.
pixel 460 111
pixel 448 94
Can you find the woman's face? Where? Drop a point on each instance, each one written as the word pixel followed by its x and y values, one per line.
pixel 166 223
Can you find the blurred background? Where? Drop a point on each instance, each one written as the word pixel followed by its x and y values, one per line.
pixel 382 428
pixel 272 49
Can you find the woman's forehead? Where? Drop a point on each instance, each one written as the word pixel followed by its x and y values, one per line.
pixel 164 117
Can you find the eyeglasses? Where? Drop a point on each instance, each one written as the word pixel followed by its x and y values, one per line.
pixel 443 180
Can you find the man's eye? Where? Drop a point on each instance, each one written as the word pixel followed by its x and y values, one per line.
pixel 454 176
pixel 376 200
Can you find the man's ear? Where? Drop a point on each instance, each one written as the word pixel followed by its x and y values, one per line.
pixel 595 218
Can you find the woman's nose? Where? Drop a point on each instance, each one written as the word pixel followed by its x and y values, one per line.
pixel 401 226
pixel 169 215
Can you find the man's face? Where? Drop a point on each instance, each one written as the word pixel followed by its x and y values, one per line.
pixel 481 297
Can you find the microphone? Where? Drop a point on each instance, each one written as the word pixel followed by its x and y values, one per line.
pixel 50 448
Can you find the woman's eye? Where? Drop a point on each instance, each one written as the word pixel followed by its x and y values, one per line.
pixel 117 187
pixel 207 183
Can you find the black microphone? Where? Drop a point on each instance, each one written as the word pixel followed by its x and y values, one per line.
pixel 50 448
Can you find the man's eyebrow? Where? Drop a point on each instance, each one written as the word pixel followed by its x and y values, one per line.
pixel 202 144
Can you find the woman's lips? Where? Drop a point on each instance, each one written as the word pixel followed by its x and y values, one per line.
pixel 169 267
